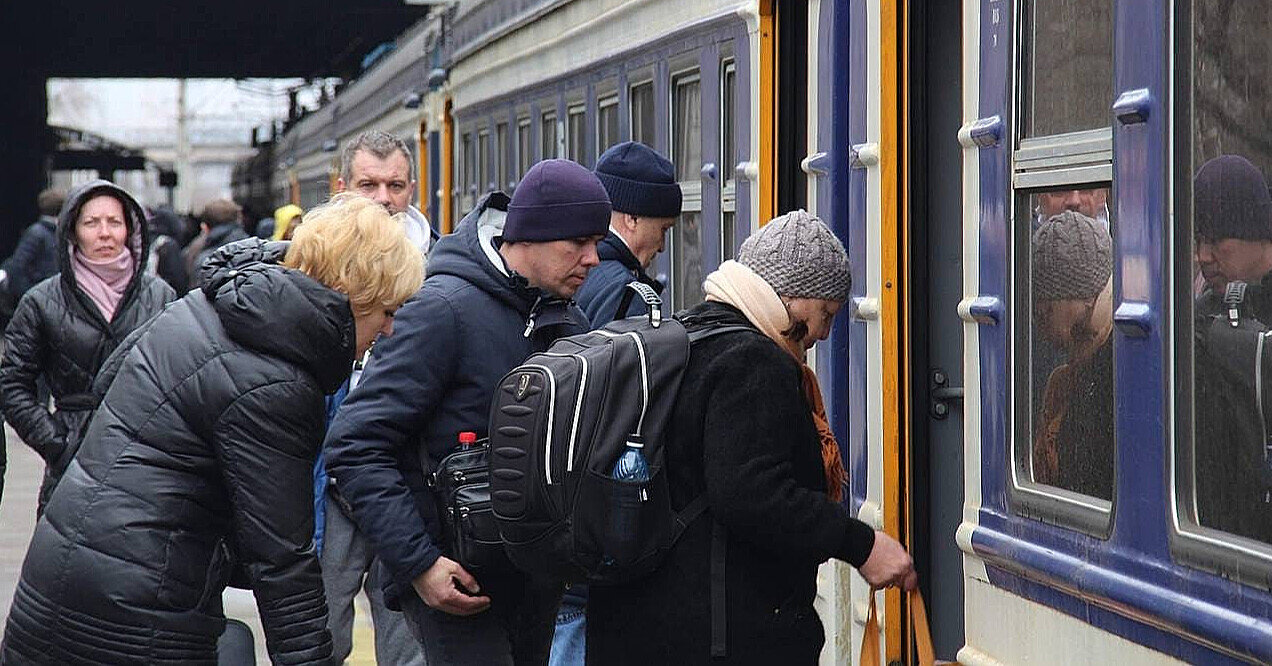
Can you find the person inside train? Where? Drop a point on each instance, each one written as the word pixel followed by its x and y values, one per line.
pixel 646 198
pixel 1072 287
pixel 750 431
pixel 1091 202
pixel 66 326
pixel 198 463
pixel 378 165
pixel 498 289
pixel 1232 225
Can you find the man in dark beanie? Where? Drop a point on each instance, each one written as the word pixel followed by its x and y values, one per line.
pixel 646 197
pixel 498 289
pixel 1072 289
pixel 1232 224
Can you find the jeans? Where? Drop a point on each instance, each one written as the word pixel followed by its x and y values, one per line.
pixel 569 643
pixel 349 565
pixel 515 631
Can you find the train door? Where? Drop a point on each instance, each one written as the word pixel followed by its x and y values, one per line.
pixel 933 220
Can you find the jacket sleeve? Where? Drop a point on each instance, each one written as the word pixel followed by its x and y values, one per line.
pixel 380 423
pixel 753 394
pixel 25 351
pixel 265 443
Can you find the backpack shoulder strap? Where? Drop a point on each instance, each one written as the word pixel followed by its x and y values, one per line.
pixel 710 332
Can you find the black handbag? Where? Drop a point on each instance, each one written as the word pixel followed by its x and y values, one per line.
pixel 461 487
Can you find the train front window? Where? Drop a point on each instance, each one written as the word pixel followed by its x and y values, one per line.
pixel 1223 269
pixel 1067 60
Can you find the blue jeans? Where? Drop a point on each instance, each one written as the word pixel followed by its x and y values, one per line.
pixel 569 642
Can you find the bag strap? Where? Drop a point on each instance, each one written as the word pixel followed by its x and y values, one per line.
pixel 647 294
pixel 711 332
pixel 719 610
pixel 918 622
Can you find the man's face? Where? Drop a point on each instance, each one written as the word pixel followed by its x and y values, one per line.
pixel 1089 202
pixel 386 181
pixel 647 236
pixel 1228 259
pixel 559 267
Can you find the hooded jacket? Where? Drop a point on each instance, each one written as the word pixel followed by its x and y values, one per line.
pixel 58 333
pixel 603 290
pixel 188 470
pixel 471 322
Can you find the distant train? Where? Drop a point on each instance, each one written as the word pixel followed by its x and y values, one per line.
pixel 935 138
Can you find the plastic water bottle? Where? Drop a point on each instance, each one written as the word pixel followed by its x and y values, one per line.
pixel 467 439
pixel 631 468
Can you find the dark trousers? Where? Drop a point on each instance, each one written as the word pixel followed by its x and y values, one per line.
pixel 515 631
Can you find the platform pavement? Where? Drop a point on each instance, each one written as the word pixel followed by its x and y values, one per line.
pixel 17 521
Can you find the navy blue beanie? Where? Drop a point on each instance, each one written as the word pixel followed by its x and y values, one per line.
pixel 557 199
pixel 1231 200
pixel 639 180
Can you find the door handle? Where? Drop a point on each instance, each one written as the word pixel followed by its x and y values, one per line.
pixel 942 395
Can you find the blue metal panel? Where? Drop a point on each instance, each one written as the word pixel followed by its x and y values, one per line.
pixel 850 218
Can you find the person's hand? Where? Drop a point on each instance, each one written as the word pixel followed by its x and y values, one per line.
pixel 889 564
pixel 438 588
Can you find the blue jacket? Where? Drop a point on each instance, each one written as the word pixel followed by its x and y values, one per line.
pixel 600 294
pixel 34 258
pixel 432 379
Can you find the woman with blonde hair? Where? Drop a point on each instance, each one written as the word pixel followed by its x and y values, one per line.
pixel 188 469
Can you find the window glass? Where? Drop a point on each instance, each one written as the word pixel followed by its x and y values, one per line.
pixel 483 162
pixel 501 156
pixel 686 127
pixel 548 136
pixel 607 124
pixel 468 163
pixel 1068 70
pixel 686 258
pixel 1231 225
pixel 1064 344
pixel 728 151
pixel 728 236
pixel 524 158
pixel 577 138
pixel 642 101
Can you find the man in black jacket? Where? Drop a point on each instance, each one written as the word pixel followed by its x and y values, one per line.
pixel 35 257
pixel 222 222
pixel 498 289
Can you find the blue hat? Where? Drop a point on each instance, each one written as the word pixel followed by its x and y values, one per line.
pixel 557 199
pixel 639 180
pixel 1231 200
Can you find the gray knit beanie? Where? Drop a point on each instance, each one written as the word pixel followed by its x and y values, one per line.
pixel 1072 258
pixel 800 257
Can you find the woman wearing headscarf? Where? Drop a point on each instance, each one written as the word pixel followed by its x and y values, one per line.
pixel 749 430
pixel 190 469
pixel 66 326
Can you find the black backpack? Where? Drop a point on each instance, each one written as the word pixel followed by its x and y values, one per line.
pixel 560 421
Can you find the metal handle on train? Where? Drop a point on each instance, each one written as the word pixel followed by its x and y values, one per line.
pixel 647 294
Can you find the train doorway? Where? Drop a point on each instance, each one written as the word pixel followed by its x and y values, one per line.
pixel 934 220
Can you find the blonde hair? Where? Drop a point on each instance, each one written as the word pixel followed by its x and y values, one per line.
pixel 353 245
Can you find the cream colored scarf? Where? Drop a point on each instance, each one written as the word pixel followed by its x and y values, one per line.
pixel 739 286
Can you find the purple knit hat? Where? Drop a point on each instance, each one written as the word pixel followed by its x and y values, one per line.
pixel 557 199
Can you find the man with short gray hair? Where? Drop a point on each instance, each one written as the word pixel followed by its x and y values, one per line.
pixel 379 166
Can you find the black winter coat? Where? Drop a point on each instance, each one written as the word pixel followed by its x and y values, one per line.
pixel 743 433
pixel 35 258
pixel 59 333
pixel 199 460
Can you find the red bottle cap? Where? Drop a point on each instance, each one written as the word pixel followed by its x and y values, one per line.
pixel 467 437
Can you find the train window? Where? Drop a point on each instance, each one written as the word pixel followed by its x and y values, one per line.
pixel 642 102
pixel 1064 444
pixel 1067 72
pixel 501 156
pixel 467 167
pixel 548 136
pixel 686 151
pixel 606 123
pixel 576 140
pixel 483 162
pixel 728 160
pixel 524 158
pixel 1223 164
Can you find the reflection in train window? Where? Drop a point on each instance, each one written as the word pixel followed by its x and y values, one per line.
pixel 642 101
pixel 1068 72
pixel 501 156
pixel 606 124
pixel 1064 348
pixel 686 155
pixel 577 138
pixel 548 136
pixel 1225 480
pixel 524 156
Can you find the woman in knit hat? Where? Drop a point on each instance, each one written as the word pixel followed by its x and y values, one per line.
pixel 749 430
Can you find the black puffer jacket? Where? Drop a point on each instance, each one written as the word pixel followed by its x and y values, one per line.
pixel 58 332
pixel 199 460
pixel 743 434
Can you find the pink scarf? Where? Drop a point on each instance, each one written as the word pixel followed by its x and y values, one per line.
pixel 104 281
